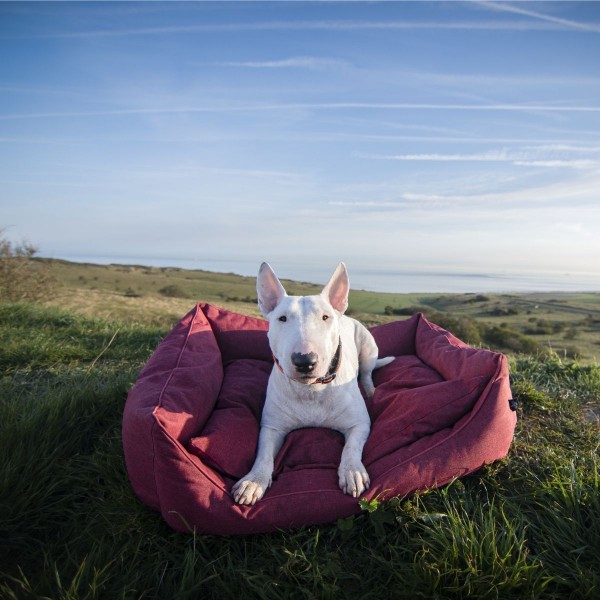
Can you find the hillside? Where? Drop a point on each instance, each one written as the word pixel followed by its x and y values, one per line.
pixel 567 324
pixel 71 526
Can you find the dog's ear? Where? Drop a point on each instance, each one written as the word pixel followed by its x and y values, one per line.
pixel 336 291
pixel 269 289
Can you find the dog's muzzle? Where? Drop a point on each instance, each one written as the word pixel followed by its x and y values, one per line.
pixel 305 364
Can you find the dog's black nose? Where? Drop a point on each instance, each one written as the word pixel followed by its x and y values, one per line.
pixel 304 363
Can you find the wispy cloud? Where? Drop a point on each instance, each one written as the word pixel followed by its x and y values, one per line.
pixel 581 193
pixel 297 62
pixel 39 140
pixel 312 106
pixel 511 8
pixel 557 164
pixel 498 80
pixel 547 23
pixel 38 91
pixel 485 157
pixel 542 156
pixel 290 177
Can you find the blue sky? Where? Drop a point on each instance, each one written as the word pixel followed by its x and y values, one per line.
pixel 439 136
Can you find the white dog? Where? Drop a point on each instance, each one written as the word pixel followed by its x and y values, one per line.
pixel 318 353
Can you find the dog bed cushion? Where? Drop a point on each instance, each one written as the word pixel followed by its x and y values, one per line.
pixel 191 422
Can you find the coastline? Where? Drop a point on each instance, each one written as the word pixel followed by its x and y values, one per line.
pixel 397 281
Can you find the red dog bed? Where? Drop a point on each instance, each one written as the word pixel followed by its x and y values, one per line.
pixel 440 411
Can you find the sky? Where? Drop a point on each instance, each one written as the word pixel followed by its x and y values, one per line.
pixel 427 136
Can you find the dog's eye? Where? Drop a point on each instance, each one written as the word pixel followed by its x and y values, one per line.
pixel 283 318
pixel 325 317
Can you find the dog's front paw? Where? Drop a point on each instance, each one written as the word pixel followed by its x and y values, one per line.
pixel 354 479
pixel 249 489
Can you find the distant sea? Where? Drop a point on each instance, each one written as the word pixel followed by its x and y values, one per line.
pixel 398 281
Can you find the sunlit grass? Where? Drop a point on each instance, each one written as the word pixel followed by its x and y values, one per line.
pixel 71 527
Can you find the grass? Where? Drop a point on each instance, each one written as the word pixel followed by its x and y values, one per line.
pixel 71 527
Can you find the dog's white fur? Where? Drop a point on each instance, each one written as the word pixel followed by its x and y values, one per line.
pixel 314 325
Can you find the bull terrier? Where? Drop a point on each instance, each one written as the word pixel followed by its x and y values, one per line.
pixel 320 355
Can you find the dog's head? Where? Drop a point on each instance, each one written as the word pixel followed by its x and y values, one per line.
pixel 303 330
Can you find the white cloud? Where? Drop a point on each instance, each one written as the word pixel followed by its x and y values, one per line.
pixel 511 8
pixel 541 156
pixel 558 164
pixel 331 25
pixel 297 62
pixel 484 157
pixel 324 106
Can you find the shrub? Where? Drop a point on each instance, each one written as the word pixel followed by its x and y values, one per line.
pixel 507 339
pixel 173 291
pixel 23 278
pixel 501 338
pixel 504 311
pixel 131 293
pixel 464 328
pixel 479 298
pixel 406 310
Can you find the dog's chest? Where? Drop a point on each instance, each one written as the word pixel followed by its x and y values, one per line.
pixel 333 407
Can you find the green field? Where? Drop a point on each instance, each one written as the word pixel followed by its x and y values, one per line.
pixel 71 527
pixel 567 324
